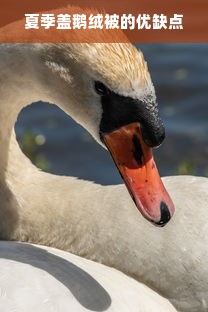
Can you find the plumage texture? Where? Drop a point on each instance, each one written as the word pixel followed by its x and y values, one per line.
pixel 37 278
pixel 96 222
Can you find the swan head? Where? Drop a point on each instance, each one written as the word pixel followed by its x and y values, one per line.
pixel 110 93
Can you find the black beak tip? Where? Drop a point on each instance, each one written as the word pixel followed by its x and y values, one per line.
pixel 165 215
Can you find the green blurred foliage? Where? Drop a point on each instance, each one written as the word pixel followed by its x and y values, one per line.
pixel 189 167
pixel 31 148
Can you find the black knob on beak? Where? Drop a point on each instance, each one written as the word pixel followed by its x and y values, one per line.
pixel 153 133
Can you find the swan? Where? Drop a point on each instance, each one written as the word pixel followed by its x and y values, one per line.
pixel 38 278
pixel 98 222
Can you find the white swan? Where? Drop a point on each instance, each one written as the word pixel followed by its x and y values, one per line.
pixel 37 278
pixel 94 221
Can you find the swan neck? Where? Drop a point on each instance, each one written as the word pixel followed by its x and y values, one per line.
pixel 19 87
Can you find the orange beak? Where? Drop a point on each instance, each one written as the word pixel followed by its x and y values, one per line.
pixel 136 165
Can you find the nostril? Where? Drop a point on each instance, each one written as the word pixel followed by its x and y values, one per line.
pixel 165 215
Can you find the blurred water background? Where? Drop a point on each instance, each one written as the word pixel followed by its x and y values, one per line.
pixel 180 75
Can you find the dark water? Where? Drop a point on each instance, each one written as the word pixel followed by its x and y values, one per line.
pixel 180 76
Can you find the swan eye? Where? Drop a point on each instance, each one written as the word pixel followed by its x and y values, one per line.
pixel 100 88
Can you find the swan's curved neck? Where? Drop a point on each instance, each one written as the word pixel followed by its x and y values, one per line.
pixel 29 197
pixel 19 87
pixel 24 79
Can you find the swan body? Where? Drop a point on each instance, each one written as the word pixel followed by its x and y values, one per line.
pixel 93 221
pixel 37 278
